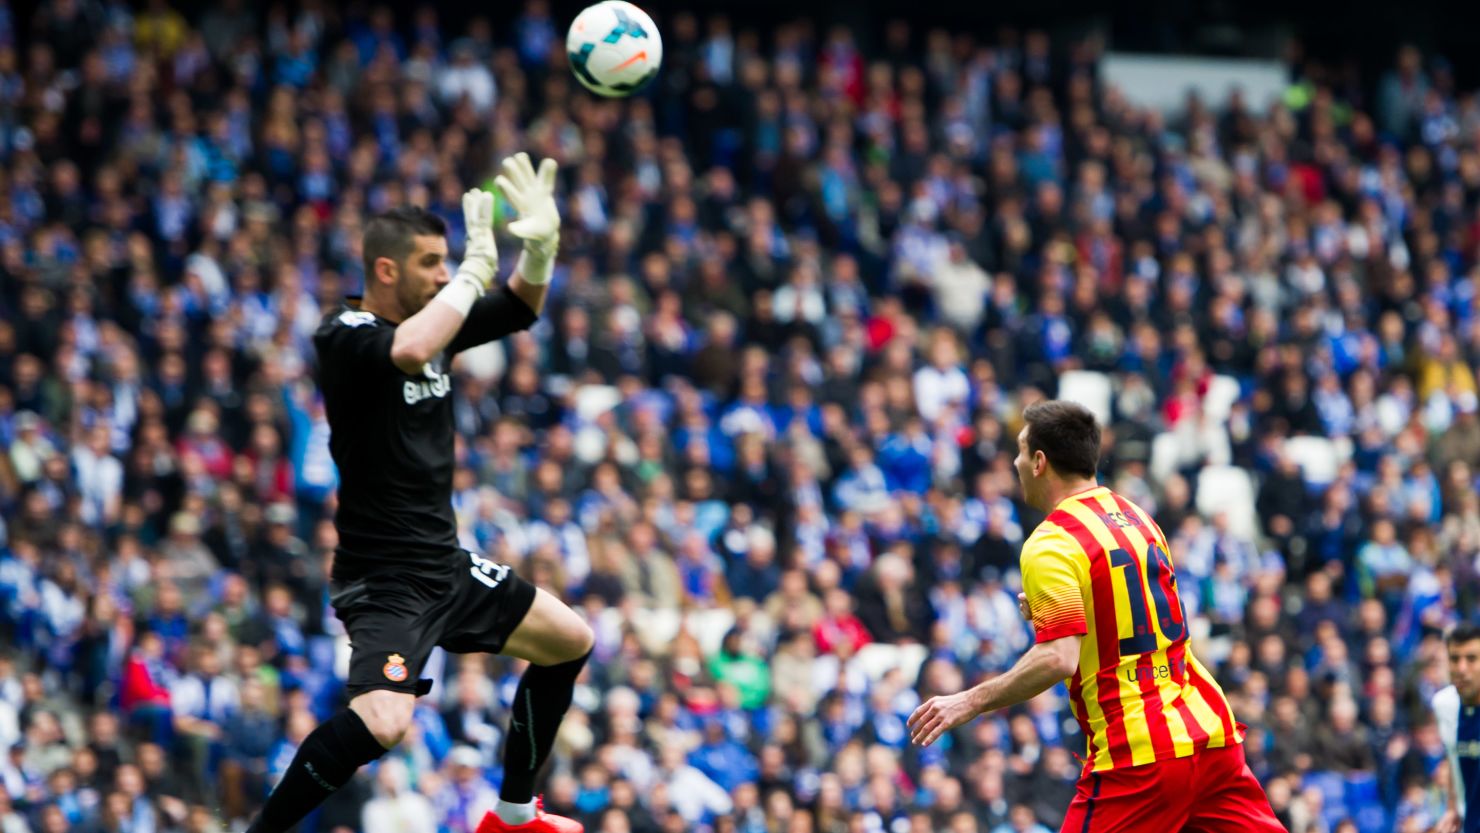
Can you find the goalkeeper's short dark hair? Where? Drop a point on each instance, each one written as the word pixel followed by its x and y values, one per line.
pixel 391 234
pixel 1462 633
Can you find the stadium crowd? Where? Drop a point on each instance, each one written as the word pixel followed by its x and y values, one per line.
pixel 762 436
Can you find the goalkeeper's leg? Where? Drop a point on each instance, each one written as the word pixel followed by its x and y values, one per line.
pixel 556 642
pixel 393 627
pixel 329 757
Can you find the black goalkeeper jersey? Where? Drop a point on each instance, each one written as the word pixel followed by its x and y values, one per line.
pixel 391 436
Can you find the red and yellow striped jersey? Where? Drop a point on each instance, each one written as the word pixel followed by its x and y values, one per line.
pixel 1098 567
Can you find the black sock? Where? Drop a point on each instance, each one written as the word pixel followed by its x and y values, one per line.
pixel 540 703
pixel 328 758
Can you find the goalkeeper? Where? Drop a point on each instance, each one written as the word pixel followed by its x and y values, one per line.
pixel 401 583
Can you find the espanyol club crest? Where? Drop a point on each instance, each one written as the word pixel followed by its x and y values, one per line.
pixel 395 668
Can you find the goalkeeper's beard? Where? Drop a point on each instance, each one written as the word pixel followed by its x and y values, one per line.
pixel 410 299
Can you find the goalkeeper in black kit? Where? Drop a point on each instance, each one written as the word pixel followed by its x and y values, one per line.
pixel 401 584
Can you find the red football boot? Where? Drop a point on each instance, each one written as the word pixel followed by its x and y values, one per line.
pixel 543 822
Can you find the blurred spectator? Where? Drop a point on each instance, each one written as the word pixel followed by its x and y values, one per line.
pixel 395 808
pixel 466 797
pixel 743 670
pixel 696 797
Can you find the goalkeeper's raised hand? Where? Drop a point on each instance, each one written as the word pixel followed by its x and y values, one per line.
pixel 429 330
pixel 533 197
pixel 480 258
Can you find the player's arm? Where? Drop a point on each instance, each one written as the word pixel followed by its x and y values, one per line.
pixel 1052 582
pixel 466 313
pixel 421 337
pixel 1043 666
pixel 515 306
pixel 533 195
pixel 1450 821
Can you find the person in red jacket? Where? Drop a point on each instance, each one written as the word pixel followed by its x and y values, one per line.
pixel 839 625
pixel 144 694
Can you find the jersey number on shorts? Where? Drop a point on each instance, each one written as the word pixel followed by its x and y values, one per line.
pixel 1157 564
pixel 488 572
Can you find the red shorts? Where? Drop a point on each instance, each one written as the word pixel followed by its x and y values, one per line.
pixel 1210 792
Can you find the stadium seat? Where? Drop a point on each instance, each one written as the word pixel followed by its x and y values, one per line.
pixel 485 362
pixel 1364 801
pixel 594 400
pixel 1218 402
pixel 1318 458
pixel 1089 388
pixel 1372 818
pixel 710 627
pixel 1164 457
pixel 878 659
pixel 1333 794
pixel 1191 444
pixel 341 656
pixel 1229 490
pixel 657 629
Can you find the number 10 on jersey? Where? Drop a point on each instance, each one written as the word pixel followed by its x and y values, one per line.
pixel 1172 621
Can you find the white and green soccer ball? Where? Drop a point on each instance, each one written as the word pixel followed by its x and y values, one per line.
pixel 614 48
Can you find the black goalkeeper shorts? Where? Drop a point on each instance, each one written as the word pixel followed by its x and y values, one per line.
pixel 394 619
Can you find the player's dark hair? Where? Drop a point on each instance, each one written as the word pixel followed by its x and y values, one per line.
pixel 391 234
pixel 1462 633
pixel 1067 434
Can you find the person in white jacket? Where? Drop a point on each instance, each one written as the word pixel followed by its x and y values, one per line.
pixel 467 77
pixel 693 794
pixel 396 808
pixel 1457 712
pixel 960 287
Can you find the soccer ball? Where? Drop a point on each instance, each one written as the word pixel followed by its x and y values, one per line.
pixel 614 48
